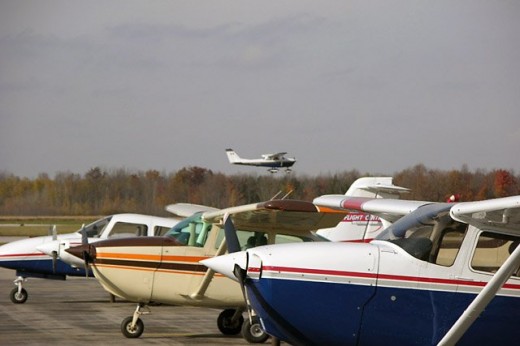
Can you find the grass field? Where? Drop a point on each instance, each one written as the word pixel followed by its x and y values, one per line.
pixel 33 226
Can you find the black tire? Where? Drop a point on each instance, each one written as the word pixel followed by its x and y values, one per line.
pixel 226 325
pixel 253 332
pixel 18 298
pixel 132 333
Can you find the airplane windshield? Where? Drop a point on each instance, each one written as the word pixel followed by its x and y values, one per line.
pixel 95 228
pixel 421 219
pixel 429 234
pixel 191 231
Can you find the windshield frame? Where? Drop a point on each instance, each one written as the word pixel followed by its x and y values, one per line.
pixel 424 215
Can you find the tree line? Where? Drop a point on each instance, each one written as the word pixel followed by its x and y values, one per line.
pixel 101 192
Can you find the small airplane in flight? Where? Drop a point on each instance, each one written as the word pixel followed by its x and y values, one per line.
pixel 44 257
pixel 442 273
pixel 272 161
pixel 166 269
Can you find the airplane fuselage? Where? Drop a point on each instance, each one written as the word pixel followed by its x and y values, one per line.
pixel 272 161
pixel 24 257
pixel 378 293
pixel 159 269
pixel 45 256
pixel 266 163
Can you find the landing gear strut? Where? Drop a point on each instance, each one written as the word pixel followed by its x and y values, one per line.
pixel 133 326
pixel 253 332
pixel 18 294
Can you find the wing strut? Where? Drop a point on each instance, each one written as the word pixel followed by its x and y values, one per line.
pixel 482 300
pixel 208 276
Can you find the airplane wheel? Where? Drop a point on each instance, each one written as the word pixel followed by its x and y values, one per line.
pixel 226 325
pixel 18 297
pixel 132 332
pixel 253 332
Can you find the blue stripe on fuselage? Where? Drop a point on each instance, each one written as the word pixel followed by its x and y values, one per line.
pixel 39 267
pixel 346 314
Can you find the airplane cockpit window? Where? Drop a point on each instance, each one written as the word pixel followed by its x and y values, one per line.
pixel 97 227
pixel 160 230
pixel 428 234
pixel 254 239
pixel 447 240
pixel 126 229
pixel 492 250
pixel 191 231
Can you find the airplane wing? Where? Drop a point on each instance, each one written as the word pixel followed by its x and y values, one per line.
pixel 388 209
pixel 499 214
pixel 187 209
pixel 291 216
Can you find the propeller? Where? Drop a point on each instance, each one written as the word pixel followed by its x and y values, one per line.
pixel 233 245
pixel 230 232
pixel 86 248
pixel 54 254
pixel 85 251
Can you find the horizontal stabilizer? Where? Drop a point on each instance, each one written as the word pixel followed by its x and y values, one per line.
pixel 379 187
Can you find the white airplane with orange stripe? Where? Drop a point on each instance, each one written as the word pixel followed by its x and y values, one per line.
pixel 167 269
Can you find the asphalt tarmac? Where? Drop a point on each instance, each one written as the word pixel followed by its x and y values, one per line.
pixel 78 311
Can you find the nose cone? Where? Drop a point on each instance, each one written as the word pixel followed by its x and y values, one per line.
pixel 225 264
pixel 82 251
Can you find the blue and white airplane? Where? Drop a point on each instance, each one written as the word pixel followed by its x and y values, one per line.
pixel 272 161
pixel 444 273
pixel 44 257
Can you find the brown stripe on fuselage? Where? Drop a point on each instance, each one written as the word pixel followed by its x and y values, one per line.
pixel 138 241
pixel 190 267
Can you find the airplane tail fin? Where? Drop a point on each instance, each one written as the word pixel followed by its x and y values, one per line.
pixel 358 226
pixel 232 156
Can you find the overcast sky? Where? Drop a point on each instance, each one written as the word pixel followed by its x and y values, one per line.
pixel 377 86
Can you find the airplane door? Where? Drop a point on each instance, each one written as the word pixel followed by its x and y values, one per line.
pixel 178 273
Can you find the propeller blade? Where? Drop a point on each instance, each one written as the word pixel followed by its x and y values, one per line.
pixel 86 258
pixel 230 232
pixel 84 235
pixel 54 261
pixel 54 233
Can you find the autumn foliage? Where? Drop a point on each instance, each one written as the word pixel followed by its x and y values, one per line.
pixel 100 192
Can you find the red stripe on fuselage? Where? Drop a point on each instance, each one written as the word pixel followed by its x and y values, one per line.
pixel 411 279
pixel 23 254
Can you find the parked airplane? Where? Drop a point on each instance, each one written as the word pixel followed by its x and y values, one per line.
pixel 416 284
pixel 183 282
pixel 167 269
pixel 42 257
pixel 272 161
pixel 356 226
pixel 58 248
